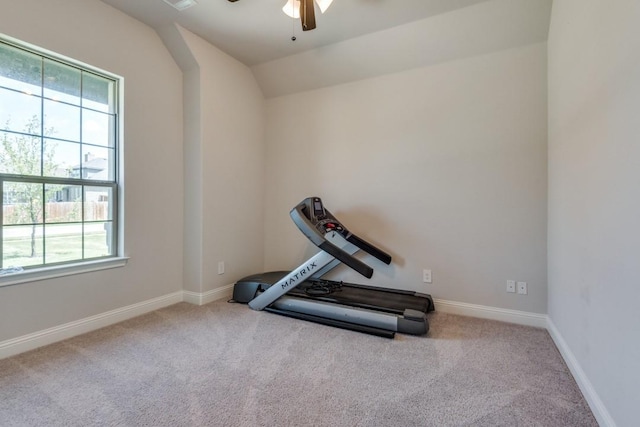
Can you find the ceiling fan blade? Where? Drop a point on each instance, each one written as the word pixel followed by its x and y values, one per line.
pixel 307 15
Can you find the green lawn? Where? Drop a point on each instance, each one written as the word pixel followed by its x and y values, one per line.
pixel 16 251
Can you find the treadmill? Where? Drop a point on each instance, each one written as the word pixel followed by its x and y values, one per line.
pixel 303 294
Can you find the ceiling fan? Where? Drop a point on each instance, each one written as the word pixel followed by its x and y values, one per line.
pixel 303 9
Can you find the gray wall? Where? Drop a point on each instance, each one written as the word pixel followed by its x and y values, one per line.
pixel 442 166
pixel 594 194
pixel 91 32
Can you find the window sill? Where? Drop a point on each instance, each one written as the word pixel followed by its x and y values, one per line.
pixel 61 270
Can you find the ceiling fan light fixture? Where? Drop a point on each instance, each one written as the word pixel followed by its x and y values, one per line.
pixel 292 8
pixel 324 5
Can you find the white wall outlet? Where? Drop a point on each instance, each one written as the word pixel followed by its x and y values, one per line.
pixel 426 276
pixel 522 288
pixel 511 286
pixel 221 267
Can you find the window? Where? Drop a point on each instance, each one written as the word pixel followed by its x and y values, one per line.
pixel 58 160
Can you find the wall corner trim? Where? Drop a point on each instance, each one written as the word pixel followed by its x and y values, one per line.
pixel 595 403
pixel 201 298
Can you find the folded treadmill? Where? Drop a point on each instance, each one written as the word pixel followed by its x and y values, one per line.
pixel 302 293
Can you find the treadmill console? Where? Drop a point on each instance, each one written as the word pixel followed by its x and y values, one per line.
pixel 315 221
pixel 322 219
pixel 318 209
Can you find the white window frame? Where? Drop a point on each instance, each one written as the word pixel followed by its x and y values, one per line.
pixel 84 265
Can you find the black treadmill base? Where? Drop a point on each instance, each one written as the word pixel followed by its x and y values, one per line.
pixel 374 298
pixel 370 297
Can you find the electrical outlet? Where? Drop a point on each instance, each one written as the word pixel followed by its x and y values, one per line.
pixel 221 267
pixel 522 288
pixel 511 286
pixel 426 276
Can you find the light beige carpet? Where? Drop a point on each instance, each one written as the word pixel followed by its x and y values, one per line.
pixel 225 365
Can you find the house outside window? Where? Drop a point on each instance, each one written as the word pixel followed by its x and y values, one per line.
pixel 58 160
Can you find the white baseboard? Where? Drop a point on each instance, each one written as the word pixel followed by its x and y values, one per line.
pixel 48 336
pixel 595 403
pixel 34 340
pixel 58 333
pixel 493 313
pixel 201 298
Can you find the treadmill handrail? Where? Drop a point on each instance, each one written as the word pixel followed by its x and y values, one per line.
pixel 304 217
pixel 347 259
pixel 369 248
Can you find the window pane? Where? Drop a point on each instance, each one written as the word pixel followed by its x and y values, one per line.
pixel 97 128
pixel 61 82
pixel 19 154
pixel 57 126
pixel 97 163
pixel 21 246
pixel 97 239
pixel 62 242
pixel 19 112
pixel 22 203
pixel 63 203
pixel 61 158
pixel 98 204
pixel 61 120
pixel 20 70
pixel 98 93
